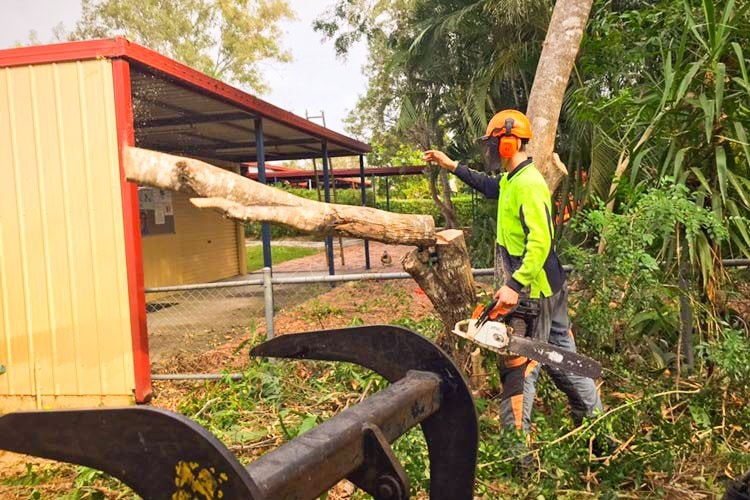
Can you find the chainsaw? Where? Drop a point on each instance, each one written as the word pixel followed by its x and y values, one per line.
pixel 504 332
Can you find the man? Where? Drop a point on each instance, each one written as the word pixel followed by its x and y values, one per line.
pixel 532 269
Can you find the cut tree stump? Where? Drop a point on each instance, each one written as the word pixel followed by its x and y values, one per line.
pixel 446 279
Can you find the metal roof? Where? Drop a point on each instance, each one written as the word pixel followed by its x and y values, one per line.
pixel 180 110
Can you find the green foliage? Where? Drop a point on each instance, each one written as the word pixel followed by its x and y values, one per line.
pixel 31 477
pixel 462 204
pixel 674 106
pixel 318 311
pixel 731 355
pixel 225 39
pixel 87 483
pixel 393 153
pixel 625 287
pixel 483 230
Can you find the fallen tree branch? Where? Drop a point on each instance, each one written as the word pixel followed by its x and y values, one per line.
pixel 440 263
pixel 244 199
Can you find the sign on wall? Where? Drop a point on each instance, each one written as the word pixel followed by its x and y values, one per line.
pixel 156 211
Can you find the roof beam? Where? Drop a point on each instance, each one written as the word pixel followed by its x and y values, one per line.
pixel 193 119
pixel 346 172
pixel 223 147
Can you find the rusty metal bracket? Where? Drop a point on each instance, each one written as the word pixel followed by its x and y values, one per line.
pixel 381 475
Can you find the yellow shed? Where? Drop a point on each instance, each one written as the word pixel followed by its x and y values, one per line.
pixel 78 243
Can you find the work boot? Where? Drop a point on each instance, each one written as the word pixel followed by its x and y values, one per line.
pixel 524 463
pixel 603 446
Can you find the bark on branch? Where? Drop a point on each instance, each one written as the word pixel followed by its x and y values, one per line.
pixel 244 199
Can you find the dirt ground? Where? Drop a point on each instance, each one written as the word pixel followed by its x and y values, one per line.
pixel 189 323
pixel 371 302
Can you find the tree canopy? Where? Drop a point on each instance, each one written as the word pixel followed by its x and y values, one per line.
pixel 226 39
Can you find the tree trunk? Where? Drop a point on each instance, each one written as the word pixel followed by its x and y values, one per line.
pixel 244 199
pixel 446 278
pixel 559 52
pixel 451 219
pixel 448 212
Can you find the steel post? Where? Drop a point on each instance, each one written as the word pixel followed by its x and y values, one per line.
pixel 388 194
pixel 327 193
pixel 261 161
pixel 363 189
pixel 268 301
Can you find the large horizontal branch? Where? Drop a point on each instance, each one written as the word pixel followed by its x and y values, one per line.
pixel 241 198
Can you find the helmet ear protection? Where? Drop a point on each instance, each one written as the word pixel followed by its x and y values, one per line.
pixel 508 143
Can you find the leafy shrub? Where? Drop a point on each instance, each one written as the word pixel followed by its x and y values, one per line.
pixel 631 283
pixel 731 355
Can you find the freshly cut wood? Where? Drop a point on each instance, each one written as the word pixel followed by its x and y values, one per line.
pixel 244 199
pixel 446 278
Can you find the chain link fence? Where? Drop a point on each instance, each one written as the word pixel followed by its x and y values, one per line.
pixel 202 316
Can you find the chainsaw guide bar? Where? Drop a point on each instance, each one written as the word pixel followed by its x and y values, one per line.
pixel 495 336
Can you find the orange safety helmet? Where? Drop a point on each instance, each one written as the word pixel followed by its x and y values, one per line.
pixel 503 130
pixel 521 126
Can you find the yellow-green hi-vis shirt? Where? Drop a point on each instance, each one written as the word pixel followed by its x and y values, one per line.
pixel 524 227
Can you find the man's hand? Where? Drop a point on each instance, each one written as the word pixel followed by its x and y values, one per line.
pixel 440 158
pixel 507 298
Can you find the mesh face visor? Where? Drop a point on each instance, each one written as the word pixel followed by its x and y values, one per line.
pixel 488 148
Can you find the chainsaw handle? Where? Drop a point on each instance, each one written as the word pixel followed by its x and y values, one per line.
pixel 497 310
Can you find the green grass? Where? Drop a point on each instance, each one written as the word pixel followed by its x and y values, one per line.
pixel 279 254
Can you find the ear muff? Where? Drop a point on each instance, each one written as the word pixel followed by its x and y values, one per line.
pixel 508 147
pixel 508 143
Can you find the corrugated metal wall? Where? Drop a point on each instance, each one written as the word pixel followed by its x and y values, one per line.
pixel 202 249
pixel 64 311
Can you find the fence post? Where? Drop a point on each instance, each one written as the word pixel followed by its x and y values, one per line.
pixel 268 296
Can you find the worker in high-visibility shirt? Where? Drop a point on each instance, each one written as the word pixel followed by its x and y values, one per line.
pixel 525 251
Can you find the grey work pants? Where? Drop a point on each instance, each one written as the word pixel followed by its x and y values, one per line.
pixel 519 374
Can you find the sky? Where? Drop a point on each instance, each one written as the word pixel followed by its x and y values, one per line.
pixel 316 80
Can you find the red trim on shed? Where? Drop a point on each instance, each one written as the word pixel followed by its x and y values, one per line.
pixel 121 47
pixel 131 223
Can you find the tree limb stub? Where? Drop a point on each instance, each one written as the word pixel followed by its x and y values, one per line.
pixel 241 198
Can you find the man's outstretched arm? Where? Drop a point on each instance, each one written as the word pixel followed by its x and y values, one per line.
pixel 488 185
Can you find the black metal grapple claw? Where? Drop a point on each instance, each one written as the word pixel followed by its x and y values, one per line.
pixel 158 453
pixel 451 432
pixel 161 454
